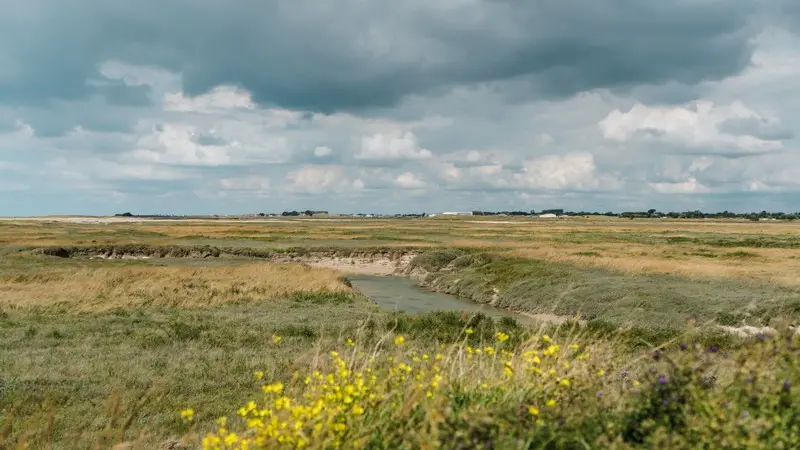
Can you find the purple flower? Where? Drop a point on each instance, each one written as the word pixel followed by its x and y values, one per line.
pixel 684 347
pixel 599 394
pixel 662 379
pixel 787 385
pixel 623 374
pixel 714 348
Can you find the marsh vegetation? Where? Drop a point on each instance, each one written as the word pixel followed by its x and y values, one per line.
pixel 108 331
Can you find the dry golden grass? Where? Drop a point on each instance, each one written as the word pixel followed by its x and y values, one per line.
pixel 774 265
pixel 633 246
pixel 83 290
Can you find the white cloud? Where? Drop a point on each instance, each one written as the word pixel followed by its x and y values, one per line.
pixel 322 151
pixel 699 126
pixel 544 139
pixel 87 171
pixel 219 98
pixel 22 134
pixel 252 182
pixel 690 186
pixel 225 144
pixel 392 146
pixel 311 179
pixel 409 180
pixel 700 164
pixel 136 75
pixel 176 144
pixel 557 172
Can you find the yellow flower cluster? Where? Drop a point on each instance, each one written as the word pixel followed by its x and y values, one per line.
pixel 330 402
pixel 324 406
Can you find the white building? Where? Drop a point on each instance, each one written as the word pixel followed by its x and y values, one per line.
pixel 450 213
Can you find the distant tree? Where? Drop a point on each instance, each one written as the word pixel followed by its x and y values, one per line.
pixel 127 214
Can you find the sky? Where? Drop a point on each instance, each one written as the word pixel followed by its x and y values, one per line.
pixel 241 106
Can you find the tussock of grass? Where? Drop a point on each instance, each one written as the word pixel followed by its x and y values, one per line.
pixel 96 289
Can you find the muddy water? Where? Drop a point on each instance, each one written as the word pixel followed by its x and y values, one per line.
pixel 401 294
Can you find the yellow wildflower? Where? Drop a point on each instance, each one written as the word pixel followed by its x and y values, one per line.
pixel 231 439
pixel 501 337
pixel 534 411
pixel 187 414
pixel 275 338
pixel 551 403
pixel 399 340
pixel 469 331
pixel 564 382
pixel 546 339
pixel 258 374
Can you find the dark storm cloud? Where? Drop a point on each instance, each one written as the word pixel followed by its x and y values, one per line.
pixel 350 54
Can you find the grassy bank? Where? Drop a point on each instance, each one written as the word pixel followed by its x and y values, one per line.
pixel 644 300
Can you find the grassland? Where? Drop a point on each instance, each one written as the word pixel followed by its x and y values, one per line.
pixel 101 351
pixel 763 251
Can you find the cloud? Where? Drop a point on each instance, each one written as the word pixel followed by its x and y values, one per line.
pixel 250 186
pixel 88 171
pixel 690 186
pixel 303 55
pixel 702 127
pixel 322 151
pixel 575 171
pixel 312 179
pixel 425 106
pixel 390 147
pixel 218 98
pixel 409 180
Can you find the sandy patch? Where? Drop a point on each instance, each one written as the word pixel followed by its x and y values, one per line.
pixel 362 265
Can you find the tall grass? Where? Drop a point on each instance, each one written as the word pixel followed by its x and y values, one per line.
pixel 542 392
pixel 91 289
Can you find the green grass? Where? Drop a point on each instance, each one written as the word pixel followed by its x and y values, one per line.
pixel 94 372
pixel 190 357
pixel 645 301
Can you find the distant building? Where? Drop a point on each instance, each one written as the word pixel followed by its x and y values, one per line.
pixel 548 216
pixel 450 213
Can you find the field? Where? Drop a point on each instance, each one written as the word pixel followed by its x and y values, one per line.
pixel 111 327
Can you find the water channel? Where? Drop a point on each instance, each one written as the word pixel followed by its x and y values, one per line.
pixel 402 294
